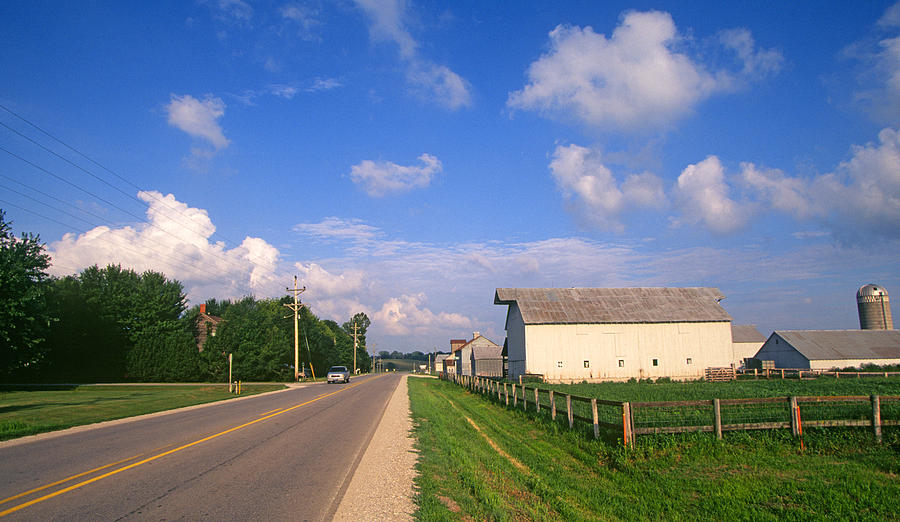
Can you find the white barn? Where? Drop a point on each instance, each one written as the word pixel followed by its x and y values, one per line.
pixel 829 349
pixel 599 334
pixel 746 341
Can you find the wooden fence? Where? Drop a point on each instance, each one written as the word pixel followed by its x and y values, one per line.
pixel 627 420
pixel 805 373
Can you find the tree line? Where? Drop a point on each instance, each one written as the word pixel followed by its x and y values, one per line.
pixel 114 324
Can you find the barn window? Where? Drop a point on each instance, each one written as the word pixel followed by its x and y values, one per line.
pixel 621 363
pixel 690 361
pixel 559 364
pixel 587 364
pixel 655 362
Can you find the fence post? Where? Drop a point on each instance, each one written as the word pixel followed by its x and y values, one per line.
pixel 506 393
pixel 520 379
pixel 552 406
pixel 627 425
pixel 755 374
pixel 537 401
pixel 524 399
pixel 717 414
pixel 596 419
pixel 515 395
pixel 876 417
pixel 793 402
pixel 569 413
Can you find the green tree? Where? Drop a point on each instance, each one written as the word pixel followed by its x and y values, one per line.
pixel 363 360
pixel 116 324
pixel 24 315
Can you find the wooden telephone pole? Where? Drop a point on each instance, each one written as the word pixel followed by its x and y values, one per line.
pixel 296 308
pixel 354 348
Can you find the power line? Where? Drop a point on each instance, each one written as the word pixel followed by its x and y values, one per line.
pixel 140 219
pixel 95 162
pixel 121 244
pixel 149 193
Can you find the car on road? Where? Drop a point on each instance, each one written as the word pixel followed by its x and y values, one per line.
pixel 338 374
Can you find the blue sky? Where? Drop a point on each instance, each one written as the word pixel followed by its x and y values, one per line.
pixel 407 158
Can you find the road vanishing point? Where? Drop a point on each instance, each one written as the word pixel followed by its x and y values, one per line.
pixel 288 455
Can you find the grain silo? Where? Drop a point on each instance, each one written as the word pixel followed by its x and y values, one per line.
pixel 874 308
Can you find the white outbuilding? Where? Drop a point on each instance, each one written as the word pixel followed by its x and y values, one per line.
pixel 600 334
pixel 746 341
pixel 829 349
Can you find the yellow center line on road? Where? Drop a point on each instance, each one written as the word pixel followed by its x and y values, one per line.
pixel 150 459
pixel 35 490
pixel 271 411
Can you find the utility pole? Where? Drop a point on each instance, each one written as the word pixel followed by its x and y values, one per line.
pixel 296 308
pixel 354 348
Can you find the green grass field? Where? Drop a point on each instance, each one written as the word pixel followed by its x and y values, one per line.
pixel 31 411
pixel 480 460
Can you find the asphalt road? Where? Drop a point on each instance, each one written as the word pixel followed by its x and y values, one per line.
pixel 283 456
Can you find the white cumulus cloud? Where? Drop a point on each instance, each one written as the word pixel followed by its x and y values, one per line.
pixel 379 178
pixel 175 240
pixel 583 178
pixel 702 196
pixel 200 120
pixel 635 79
pixel 860 198
pixel 405 315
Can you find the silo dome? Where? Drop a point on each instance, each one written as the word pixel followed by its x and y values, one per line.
pixel 874 307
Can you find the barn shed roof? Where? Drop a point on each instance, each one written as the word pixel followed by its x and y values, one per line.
pixel 746 333
pixel 844 344
pixel 614 305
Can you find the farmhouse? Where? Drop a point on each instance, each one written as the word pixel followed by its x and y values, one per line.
pixel 828 349
pixel 439 362
pixel 746 341
pixel 487 357
pixel 597 334
pixel 479 350
pixel 205 326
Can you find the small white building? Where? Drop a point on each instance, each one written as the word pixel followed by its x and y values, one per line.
pixel 746 341
pixel 439 362
pixel 599 334
pixel 829 349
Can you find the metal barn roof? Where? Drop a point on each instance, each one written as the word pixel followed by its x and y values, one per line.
pixel 746 333
pixel 614 305
pixel 844 344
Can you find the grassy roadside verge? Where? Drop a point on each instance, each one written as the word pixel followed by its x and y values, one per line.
pixel 507 465
pixel 40 410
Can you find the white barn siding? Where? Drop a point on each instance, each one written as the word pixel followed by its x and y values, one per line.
pixel 559 351
pixel 785 356
pixel 464 361
pixel 744 351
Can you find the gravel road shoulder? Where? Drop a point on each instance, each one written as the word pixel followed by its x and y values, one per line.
pixel 382 486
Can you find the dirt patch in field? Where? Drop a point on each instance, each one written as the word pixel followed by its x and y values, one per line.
pixel 514 461
pixel 450 504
